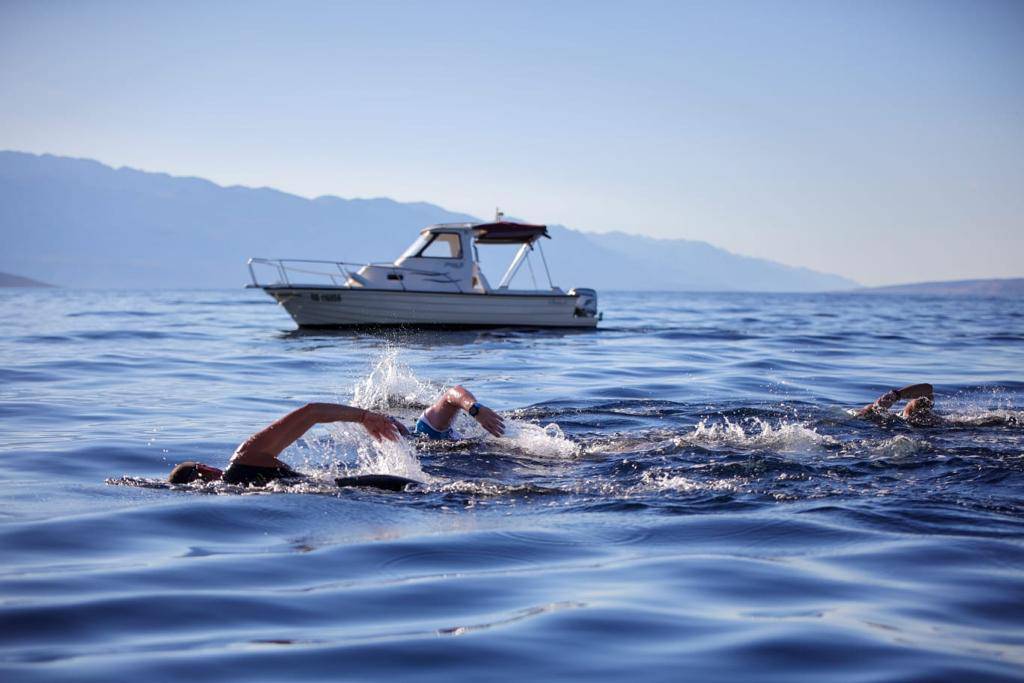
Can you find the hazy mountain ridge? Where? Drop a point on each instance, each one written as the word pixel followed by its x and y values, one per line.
pixel 9 280
pixel 85 224
pixel 982 287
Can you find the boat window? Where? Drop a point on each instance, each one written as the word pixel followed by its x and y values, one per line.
pixel 442 245
pixel 416 246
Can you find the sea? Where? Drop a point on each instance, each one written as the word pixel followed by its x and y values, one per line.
pixel 683 494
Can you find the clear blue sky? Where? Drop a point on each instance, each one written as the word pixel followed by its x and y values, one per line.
pixel 883 141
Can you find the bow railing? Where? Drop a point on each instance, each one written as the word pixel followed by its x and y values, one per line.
pixel 334 273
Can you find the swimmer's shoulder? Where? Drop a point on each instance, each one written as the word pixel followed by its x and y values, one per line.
pixel 244 474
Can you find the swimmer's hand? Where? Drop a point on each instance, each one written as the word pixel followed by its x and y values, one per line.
pixel 379 426
pixel 402 429
pixel 490 421
pixel 893 396
pixel 872 409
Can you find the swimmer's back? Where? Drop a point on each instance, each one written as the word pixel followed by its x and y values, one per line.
pixel 250 475
pixel 388 482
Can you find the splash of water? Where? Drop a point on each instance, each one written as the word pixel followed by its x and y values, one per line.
pixel 987 418
pixel 548 441
pixel 370 456
pixel 392 383
pixel 663 481
pixel 391 457
pixel 759 434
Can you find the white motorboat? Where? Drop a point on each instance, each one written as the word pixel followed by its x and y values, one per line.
pixel 437 282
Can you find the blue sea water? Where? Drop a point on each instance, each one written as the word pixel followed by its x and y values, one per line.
pixel 684 495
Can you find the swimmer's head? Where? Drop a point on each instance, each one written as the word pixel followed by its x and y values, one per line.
pixel 189 471
pixel 918 408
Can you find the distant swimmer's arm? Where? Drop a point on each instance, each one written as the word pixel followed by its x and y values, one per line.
pixel 443 413
pixel 911 391
pixel 262 448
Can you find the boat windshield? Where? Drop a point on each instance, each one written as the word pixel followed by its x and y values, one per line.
pixel 435 245
pixel 416 246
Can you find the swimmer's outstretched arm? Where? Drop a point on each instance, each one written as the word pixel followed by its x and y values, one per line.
pixel 911 391
pixel 923 390
pixel 262 448
pixel 443 412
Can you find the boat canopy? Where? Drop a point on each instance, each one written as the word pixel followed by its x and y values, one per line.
pixel 508 233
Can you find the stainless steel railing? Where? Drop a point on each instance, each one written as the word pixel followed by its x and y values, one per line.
pixel 287 269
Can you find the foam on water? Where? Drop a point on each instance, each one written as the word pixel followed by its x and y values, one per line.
pixel 392 383
pixel 792 437
pixel 663 481
pixel 548 441
pixel 898 447
pixel 978 417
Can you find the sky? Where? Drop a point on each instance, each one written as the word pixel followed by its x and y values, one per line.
pixel 882 141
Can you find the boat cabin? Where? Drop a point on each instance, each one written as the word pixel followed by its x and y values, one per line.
pixel 445 258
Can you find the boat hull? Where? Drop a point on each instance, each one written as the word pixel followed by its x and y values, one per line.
pixel 355 307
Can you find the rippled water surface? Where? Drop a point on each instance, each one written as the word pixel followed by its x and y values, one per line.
pixel 684 494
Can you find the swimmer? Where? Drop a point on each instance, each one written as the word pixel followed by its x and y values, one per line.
pixel 255 462
pixel 920 400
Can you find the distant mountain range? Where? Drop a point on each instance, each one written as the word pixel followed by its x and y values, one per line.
pixel 8 280
pixel 993 287
pixel 84 224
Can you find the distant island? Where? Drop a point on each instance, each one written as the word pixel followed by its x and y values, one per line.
pixel 85 224
pixel 8 280
pixel 993 287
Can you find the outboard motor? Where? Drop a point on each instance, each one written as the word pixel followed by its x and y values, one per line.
pixel 586 302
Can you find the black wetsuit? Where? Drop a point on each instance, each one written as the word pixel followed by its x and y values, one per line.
pixel 249 475
pixel 389 482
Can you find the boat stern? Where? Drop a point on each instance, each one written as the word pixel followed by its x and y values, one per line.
pixel 586 303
